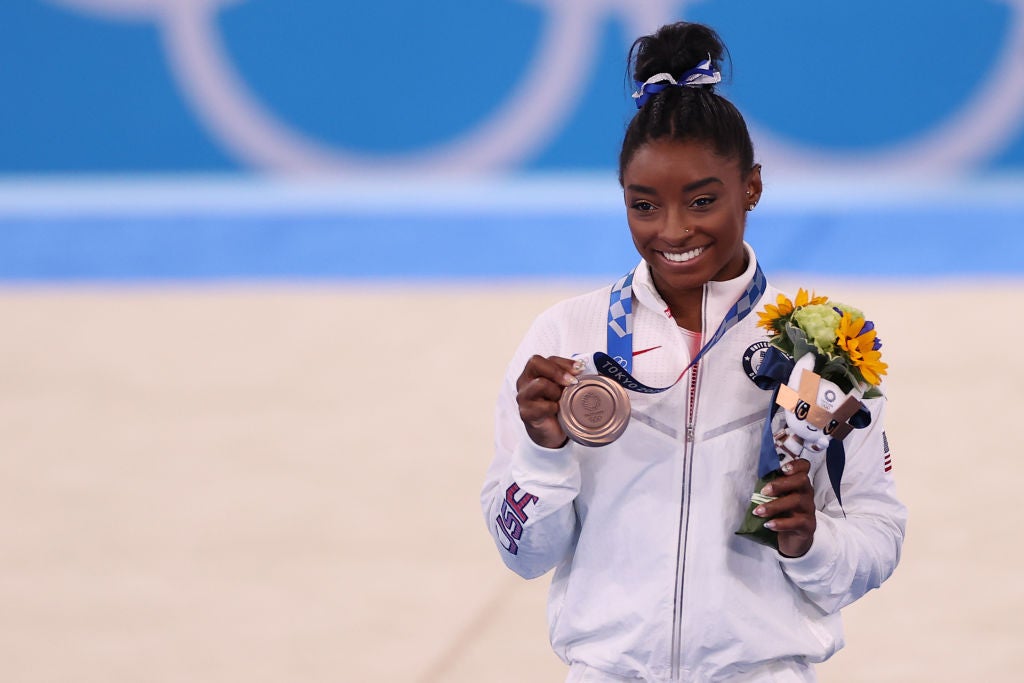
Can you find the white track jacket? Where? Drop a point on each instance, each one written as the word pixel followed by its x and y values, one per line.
pixel 650 581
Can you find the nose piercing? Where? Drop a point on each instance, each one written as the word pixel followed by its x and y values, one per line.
pixel 686 230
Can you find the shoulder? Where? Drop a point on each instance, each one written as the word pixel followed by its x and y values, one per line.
pixel 584 309
pixel 569 326
pixel 771 293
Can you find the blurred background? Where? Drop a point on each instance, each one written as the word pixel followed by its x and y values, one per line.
pixel 262 263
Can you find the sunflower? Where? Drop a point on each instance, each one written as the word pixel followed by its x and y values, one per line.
pixel 858 338
pixel 774 317
pixel 812 299
pixel 782 308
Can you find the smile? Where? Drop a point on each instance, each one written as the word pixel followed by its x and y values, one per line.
pixel 685 256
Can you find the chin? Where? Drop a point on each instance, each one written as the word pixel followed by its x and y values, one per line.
pixel 680 281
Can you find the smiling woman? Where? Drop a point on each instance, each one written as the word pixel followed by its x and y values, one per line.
pixel 651 580
pixel 686 208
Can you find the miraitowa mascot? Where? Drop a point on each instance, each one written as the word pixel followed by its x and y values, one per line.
pixel 822 360
pixel 816 411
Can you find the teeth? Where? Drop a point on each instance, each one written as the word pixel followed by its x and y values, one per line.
pixel 685 256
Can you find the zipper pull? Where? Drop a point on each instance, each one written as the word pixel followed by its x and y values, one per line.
pixel 689 433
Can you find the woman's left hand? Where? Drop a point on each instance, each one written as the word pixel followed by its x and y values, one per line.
pixel 791 515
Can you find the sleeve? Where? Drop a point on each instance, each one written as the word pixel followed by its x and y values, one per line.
pixel 528 493
pixel 857 546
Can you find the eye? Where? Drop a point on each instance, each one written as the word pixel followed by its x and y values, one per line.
pixel 642 205
pixel 703 201
pixel 830 427
pixel 802 408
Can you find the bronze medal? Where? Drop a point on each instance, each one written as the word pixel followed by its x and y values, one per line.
pixel 594 412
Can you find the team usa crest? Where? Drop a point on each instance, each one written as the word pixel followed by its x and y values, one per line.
pixel 753 356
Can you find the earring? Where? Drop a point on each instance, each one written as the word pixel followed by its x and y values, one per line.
pixel 750 206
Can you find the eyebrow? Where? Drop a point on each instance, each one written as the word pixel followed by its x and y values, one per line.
pixel 701 183
pixel 697 184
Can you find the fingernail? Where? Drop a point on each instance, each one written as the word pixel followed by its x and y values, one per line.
pixel 767 490
pixel 569 379
pixel 579 365
pixel 759 511
pixel 787 468
pixel 770 524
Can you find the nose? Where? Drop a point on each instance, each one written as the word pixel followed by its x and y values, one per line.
pixel 677 227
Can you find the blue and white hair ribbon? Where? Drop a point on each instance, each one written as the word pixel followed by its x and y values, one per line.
pixel 702 74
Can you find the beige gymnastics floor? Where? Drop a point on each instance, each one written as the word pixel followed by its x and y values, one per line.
pixel 280 484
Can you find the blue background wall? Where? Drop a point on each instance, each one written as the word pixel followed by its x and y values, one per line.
pixel 98 88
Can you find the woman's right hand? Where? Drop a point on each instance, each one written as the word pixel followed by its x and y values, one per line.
pixel 539 388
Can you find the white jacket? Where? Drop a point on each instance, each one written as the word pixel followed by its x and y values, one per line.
pixel 650 580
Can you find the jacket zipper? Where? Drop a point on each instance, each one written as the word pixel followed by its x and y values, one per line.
pixel 684 509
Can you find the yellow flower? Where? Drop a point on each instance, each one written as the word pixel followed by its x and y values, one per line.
pixel 872 368
pixel 861 346
pixel 849 328
pixel 805 299
pixel 783 308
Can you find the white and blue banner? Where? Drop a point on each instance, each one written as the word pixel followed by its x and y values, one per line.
pixel 307 138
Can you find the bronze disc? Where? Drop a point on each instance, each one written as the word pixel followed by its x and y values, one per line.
pixel 594 412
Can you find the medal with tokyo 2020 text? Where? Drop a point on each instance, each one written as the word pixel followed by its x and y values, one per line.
pixel 596 411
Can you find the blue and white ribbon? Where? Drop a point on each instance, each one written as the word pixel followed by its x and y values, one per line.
pixel 702 74
pixel 620 321
pixel 620 331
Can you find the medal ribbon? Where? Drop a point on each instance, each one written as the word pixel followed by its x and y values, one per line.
pixel 617 364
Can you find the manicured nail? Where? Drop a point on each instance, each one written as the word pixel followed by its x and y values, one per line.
pixel 569 379
pixel 787 468
pixel 759 511
pixel 579 365
pixel 770 524
pixel 767 490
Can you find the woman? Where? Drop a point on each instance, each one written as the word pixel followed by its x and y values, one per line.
pixel 651 582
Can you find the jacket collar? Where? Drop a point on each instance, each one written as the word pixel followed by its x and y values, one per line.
pixel 719 296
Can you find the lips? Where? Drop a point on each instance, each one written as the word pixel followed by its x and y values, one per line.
pixel 684 256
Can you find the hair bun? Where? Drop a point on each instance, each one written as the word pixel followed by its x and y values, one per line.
pixel 693 111
pixel 675 49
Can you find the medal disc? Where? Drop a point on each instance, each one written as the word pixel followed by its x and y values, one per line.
pixel 594 412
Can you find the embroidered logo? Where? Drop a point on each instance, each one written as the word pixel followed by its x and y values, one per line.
pixel 513 516
pixel 753 356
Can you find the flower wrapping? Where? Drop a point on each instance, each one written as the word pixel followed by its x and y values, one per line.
pixel 824 358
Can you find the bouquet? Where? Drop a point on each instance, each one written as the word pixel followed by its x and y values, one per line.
pixel 824 357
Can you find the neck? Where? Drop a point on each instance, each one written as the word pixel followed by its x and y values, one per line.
pixel 686 306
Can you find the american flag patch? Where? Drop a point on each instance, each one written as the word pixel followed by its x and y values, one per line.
pixel 888 456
